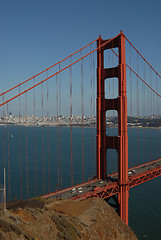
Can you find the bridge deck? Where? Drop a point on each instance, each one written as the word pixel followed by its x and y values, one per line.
pixel 109 187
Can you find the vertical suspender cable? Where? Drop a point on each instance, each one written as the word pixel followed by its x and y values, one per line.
pixel 4 162
pixel 91 86
pixel 82 110
pixel 94 129
pixel 4 137
pixel 60 128
pixel 20 142
pixel 48 134
pixel 34 138
pixel 71 113
pixel 130 109
pixel 109 115
pixel 148 113
pixel 8 154
pixel 157 115
pixel 137 88
pixel 141 109
pixel 151 104
pixel 144 107
pixel 26 146
pixel 42 125
pixel 153 113
pixel 57 90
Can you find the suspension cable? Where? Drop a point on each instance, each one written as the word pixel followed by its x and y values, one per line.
pixel 34 138
pixel 91 87
pixel 137 76
pixel 42 126
pixel 94 113
pixel 20 143
pixel 26 146
pixel 47 68
pixel 142 57
pixel 57 107
pixel 82 110
pixel 130 109
pixel 60 128
pixel 47 89
pixel 71 135
pixel 78 60
pixel 8 154
pixel 4 137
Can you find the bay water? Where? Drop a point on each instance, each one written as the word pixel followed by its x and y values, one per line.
pixel 39 160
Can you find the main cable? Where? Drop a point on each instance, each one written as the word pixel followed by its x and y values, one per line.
pixel 18 85
pixel 137 76
pixel 78 60
pixel 142 57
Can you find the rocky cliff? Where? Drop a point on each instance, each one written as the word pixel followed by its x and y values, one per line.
pixel 63 219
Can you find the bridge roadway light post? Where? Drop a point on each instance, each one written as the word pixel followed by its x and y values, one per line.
pixel 120 142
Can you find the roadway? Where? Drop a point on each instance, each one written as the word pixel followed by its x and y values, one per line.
pixel 138 169
pixel 77 190
pixel 88 188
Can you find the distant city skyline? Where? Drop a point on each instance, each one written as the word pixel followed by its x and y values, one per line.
pixel 67 121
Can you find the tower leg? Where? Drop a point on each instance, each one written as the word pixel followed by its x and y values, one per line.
pixel 120 143
pixel 122 135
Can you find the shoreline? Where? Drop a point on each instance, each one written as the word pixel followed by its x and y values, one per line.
pixel 73 126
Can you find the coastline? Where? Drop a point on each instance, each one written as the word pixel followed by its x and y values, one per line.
pixel 73 126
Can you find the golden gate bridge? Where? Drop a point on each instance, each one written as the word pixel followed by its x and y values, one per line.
pixel 126 96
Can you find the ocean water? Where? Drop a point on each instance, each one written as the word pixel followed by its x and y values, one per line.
pixel 33 155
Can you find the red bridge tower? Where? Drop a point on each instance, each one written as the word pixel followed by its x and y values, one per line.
pixel 120 142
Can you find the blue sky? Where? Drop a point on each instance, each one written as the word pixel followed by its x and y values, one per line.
pixel 37 33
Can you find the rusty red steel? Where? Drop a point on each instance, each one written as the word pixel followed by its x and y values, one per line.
pixel 120 143
pixel 104 192
pixel 113 188
pixel 68 67
pixel 140 77
pixel 9 100
pixel 145 176
pixel 27 80
pixel 142 57
pixel 104 142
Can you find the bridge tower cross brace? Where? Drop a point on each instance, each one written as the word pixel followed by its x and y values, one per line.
pixel 120 142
